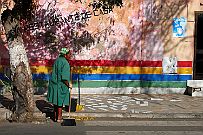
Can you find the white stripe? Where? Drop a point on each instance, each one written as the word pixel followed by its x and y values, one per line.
pixel 129 90
pixel 143 123
pixel 143 133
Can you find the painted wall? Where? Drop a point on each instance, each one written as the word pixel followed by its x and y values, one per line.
pixel 115 52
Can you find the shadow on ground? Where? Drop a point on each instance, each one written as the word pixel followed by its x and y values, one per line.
pixel 7 103
pixel 46 108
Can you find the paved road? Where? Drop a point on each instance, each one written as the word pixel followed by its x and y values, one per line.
pixel 109 127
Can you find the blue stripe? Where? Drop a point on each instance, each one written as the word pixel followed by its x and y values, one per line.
pixel 144 77
pixel 4 78
pixel 165 77
pixel 41 76
pixel 107 77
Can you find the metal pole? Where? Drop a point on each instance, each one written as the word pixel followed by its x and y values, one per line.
pixel 78 88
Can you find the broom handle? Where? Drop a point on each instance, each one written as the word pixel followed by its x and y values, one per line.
pixel 70 93
pixel 79 89
pixel 69 103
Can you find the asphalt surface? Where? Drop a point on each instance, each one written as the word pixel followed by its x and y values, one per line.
pixel 108 127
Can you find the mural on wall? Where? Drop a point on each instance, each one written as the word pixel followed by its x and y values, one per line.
pixel 3 41
pixel 81 26
pixel 93 30
pixel 179 27
pixel 152 47
pixel 97 31
pixel 115 47
pixel 102 33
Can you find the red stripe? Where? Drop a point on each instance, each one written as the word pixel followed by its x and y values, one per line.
pixel 4 61
pixel 151 64
pixel 184 63
pixel 120 63
pixel 117 63
pixel 88 63
pixel 34 62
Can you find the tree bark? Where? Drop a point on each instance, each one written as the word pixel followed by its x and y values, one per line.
pixel 20 72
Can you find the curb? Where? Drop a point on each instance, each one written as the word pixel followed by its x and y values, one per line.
pixel 42 116
pixel 130 115
pixel 139 115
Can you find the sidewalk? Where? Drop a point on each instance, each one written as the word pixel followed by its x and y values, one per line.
pixel 123 106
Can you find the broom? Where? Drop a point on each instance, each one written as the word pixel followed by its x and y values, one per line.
pixel 69 121
pixel 79 107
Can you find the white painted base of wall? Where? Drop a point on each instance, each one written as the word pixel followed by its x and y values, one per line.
pixel 198 93
pixel 195 88
pixel 106 90
pixel 163 90
pixel 129 90
pixel 195 92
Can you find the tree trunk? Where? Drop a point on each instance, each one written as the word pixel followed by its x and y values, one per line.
pixel 20 73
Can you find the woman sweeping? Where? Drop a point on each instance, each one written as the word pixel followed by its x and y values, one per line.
pixel 59 84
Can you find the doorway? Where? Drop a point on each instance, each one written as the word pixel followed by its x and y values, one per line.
pixel 198 51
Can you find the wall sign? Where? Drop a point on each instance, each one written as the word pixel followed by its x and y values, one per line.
pixel 179 27
pixel 169 65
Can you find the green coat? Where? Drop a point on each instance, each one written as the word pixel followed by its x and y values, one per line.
pixel 58 92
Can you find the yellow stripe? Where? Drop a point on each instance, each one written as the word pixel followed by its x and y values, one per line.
pixel 110 70
pixel 149 70
pixel 184 70
pixel 1 69
pixel 41 69
pixel 126 70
